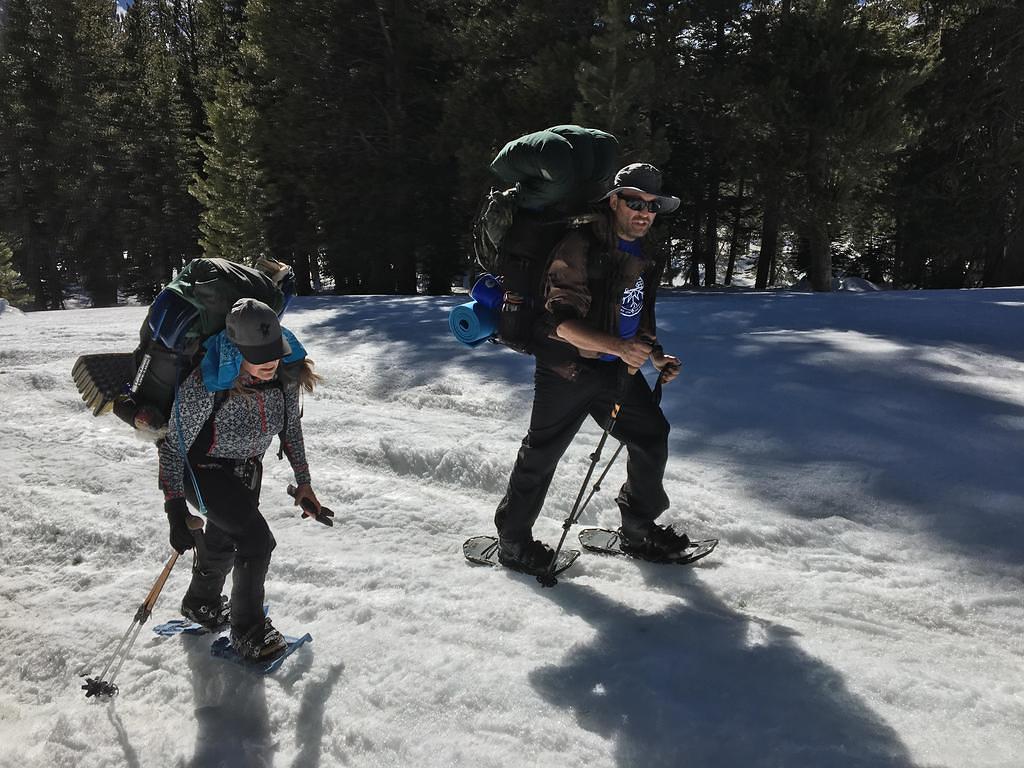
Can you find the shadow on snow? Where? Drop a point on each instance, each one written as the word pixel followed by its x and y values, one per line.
pixel 233 724
pixel 700 684
pixel 864 399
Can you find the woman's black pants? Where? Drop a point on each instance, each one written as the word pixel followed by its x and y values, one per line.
pixel 236 535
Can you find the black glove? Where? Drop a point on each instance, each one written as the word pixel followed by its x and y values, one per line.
pixel 181 536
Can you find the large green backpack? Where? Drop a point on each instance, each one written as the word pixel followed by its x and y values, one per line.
pixel 140 386
pixel 551 180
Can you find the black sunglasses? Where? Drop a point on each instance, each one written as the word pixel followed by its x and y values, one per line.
pixel 636 204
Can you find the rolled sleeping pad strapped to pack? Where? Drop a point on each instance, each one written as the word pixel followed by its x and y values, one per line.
pixel 472 323
pixel 488 291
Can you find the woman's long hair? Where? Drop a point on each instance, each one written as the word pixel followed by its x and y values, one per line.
pixel 305 376
pixel 308 378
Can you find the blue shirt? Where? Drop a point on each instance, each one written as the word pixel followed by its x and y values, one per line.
pixel 632 298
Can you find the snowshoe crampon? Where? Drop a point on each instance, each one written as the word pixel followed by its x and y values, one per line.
pixel 609 542
pixel 483 550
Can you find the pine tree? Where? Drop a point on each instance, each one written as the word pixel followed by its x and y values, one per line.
pixel 90 142
pixel 161 219
pixel 716 52
pixel 12 287
pixel 231 189
pixel 511 70
pixel 347 137
pixel 60 147
pixel 768 116
pixel 959 202
pixel 833 112
pixel 28 105
pixel 615 89
pixel 694 48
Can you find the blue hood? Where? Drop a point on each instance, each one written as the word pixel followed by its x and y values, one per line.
pixel 223 361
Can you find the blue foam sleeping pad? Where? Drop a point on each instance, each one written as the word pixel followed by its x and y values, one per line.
pixel 472 323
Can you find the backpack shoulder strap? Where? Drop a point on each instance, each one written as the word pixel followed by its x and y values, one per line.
pixel 205 436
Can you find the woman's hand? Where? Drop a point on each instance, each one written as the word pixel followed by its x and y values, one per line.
pixel 305 492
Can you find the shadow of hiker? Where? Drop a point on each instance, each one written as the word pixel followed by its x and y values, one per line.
pixel 131 757
pixel 309 730
pixel 701 684
pixel 233 726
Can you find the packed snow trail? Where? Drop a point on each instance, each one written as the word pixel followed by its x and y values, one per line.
pixel 857 454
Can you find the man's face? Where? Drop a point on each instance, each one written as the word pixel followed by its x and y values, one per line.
pixel 630 224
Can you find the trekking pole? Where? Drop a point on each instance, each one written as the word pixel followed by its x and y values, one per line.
pixel 547 579
pixel 99 686
pixel 656 395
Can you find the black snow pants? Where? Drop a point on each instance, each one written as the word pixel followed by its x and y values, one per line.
pixel 236 535
pixel 560 407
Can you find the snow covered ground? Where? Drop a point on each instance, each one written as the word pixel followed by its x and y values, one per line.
pixel 858 454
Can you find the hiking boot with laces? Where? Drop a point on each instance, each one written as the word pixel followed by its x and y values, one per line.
pixel 530 556
pixel 652 541
pixel 215 615
pixel 261 641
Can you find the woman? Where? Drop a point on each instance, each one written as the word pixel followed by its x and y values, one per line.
pixel 225 416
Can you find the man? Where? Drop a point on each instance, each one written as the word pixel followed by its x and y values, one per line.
pixel 597 328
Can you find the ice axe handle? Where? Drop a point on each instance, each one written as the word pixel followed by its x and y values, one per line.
pixel 323 516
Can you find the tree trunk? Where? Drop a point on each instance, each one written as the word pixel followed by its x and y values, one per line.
pixel 769 240
pixel 402 279
pixel 820 258
pixel 819 210
pixel 1014 253
pixel 303 278
pixel 33 275
pixel 898 254
pixel 697 240
pixel 1001 264
pixel 735 238
pixel 54 289
pixel 693 278
pixel 715 165
pixel 711 231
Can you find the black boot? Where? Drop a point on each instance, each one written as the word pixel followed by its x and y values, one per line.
pixel 528 556
pixel 203 602
pixel 261 641
pixel 252 635
pixel 214 615
pixel 647 539
pixel 247 592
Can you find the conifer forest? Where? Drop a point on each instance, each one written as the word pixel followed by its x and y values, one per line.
pixel 882 139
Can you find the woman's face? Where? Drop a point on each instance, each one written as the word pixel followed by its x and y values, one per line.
pixel 261 372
